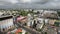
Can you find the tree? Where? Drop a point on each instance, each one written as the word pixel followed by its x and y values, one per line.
pixel 23 13
pixel 58 13
pixel 26 33
pixel 45 32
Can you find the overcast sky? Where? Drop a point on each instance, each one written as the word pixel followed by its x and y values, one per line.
pixel 55 4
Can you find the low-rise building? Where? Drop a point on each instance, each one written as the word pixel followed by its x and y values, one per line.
pixel 51 22
pixel 6 23
pixel 22 19
pixel 51 31
pixel 50 14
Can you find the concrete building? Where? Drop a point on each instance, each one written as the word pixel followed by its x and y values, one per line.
pixel 6 23
pixel 51 31
pixel 46 21
pixel 40 23
pixel 1 13
pixel 29 20
pixel 22 19
pixel 51 22
pixel 50 14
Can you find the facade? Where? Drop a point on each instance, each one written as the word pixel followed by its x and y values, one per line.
pixel 29 20
pixel 22 19
pixel 1 13
pixel 51 31
pixel 51 22
pixel 6 23
pixel 40 23
pixel 39 26
pixel 50 14
pixel 46 21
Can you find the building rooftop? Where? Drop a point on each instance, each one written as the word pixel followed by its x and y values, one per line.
pixel 5 17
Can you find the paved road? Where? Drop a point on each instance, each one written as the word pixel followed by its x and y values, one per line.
pixel 28 29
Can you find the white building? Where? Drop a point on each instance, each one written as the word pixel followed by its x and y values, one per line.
pixel 23 31
pixel 29 20
pixel 50 11
pixel 41 20
pixel 38 10
pixel 46 21
pixel 6 23
pixel 50 14
pixel 1 13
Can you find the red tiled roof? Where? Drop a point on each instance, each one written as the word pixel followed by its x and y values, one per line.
pixel 19 30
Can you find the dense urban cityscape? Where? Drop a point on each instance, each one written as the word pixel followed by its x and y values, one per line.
pixel 29 16
pixel 29 21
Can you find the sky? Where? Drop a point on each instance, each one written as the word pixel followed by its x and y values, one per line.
pixel 40 4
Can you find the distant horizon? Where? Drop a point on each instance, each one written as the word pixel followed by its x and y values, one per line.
pixel 39 4
pixel 27 8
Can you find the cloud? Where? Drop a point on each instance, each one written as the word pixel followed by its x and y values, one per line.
pixel 31 3
pixel 53 4
pixel 13 1
pixel 8 1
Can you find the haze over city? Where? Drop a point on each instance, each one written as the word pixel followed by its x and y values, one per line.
pixel 51 4
pixel 29 16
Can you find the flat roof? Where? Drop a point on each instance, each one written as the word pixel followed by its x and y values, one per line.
pixel 5 17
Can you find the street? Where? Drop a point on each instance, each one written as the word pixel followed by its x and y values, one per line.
pixel 28 29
